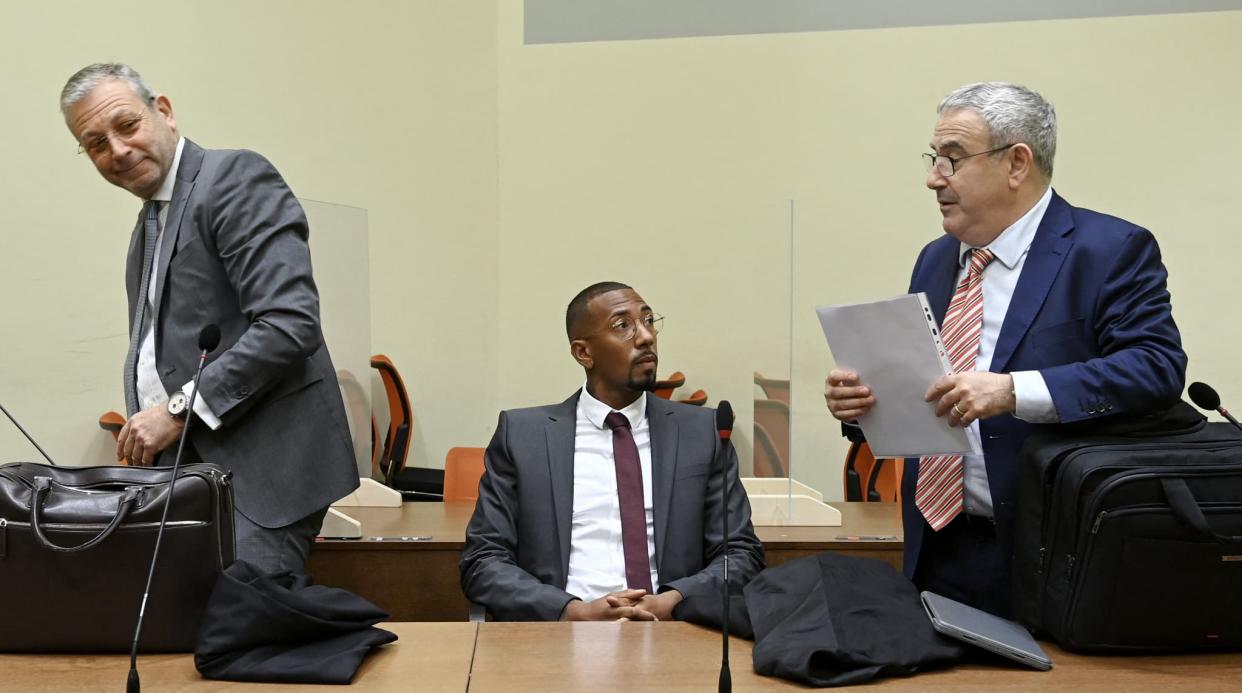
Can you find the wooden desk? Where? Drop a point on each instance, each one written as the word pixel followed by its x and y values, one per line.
pixel 629 657
pixel 411 580
pixel 426 657
pixel 418 580
pixel 857 520
pixel 603 657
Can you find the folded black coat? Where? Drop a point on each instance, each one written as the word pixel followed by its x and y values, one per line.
pixel 832 620
pixel 283 629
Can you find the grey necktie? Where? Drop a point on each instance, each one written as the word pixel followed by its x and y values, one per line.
pixel 150 231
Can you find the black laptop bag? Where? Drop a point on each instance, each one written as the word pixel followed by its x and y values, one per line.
pixel 1128 535
pixel 75 547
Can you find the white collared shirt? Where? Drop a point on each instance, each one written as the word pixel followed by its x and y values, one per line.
pixel 147 378
pixel 1034 402
pixel 596 553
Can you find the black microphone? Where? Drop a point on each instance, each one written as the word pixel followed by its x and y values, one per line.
pixel 1205 397
pixel 28 436
pixel 724 426
pixel 208 340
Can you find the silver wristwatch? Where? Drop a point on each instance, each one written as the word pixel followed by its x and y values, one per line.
pixel 178 405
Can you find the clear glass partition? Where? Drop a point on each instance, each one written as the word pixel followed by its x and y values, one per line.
pixel 339 251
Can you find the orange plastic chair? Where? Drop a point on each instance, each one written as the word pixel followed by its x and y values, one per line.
pixel 664 388
pixel 698 398
pixel 415 483
pixel 773 416
pixel 768 463
pixel 868 479
pixel 112 422
pixel 463 467
pixel 773 389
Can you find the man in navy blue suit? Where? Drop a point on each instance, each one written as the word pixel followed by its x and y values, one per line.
pixel 1076 324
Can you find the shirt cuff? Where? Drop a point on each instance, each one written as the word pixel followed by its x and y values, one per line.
pixel 205 413
pixel 1032 401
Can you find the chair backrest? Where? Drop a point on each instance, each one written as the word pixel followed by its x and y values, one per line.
pixel 463 467
pixel 768 463
pixel 773 389
pixel 773 416
pixel 664 388
pixel 698 398
pixel 112 422
pixel 870 480
pixel 397 440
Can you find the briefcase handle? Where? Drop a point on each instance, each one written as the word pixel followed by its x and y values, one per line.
pixel 43 484
pixel 1187 509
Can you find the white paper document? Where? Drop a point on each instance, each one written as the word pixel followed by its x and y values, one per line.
pixel 894 346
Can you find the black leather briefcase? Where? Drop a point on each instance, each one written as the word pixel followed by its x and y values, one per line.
pixel 75 547
pixel 1129 537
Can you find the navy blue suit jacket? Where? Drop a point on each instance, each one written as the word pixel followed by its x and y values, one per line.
pixel 1091 313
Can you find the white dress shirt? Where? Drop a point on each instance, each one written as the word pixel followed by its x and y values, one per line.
pixel 1034 402
pixel 596 553
pixel 147 378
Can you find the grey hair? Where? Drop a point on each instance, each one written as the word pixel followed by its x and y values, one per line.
pixel 1014 114
pixel 89 77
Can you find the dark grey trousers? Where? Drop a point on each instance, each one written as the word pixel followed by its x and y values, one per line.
pixel 279 550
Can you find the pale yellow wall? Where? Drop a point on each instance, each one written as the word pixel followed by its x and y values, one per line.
pixel 617 156
pixel 500 178
pixel 389 106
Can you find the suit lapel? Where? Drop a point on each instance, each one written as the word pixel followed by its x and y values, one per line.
pixel 1048 252
pixel 944 268
pixel 559 435
pixel 664 432
pixel 187 172
pixel 133 269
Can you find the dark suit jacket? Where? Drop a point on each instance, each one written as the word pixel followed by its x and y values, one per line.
pixel 234 253
pixel 516 559
pixel 1091 313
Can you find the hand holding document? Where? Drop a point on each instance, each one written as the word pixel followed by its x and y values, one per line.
pixel 894 346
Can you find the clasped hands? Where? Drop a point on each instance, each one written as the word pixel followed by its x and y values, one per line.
pixel 625 605
pixel 964 397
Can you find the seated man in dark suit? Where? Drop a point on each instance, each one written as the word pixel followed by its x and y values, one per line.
pixel 606 506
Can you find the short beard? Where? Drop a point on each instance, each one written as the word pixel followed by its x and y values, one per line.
pixel 644 384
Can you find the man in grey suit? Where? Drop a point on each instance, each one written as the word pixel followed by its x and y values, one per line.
pixel 220 240
pixel 606 506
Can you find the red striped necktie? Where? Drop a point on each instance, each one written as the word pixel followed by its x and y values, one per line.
pixel 939 491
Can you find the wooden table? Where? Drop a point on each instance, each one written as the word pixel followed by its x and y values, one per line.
pixel 426 657
pixel 417 579
pixel 628 657
pixel 604 657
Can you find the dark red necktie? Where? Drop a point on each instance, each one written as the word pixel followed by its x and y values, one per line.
pixel 630 498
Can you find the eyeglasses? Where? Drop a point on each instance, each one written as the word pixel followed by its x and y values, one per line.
pixel 946 166
pixel 124 130
pixel 625 327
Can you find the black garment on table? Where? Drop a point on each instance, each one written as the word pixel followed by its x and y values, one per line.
pixel 832 620
pixel 283 629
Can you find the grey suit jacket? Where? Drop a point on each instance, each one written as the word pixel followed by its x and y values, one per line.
pixel 516 558
pixel 234 253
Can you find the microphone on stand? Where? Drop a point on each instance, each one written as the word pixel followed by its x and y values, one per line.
pixel 1205 397
pixel 208 340
pixel 724 426
pixel 28 437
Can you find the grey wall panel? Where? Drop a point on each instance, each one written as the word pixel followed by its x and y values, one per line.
pixel 561 21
